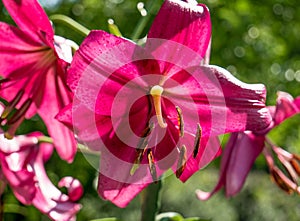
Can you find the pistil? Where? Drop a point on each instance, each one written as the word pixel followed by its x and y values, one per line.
pixel 156 92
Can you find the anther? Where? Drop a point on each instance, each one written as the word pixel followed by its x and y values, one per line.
pixel 4 80
pixel 156 92
pixel 17 119
pixel 137 161
pixel 181 161
pixel 21 112
pixel 141 147
pixel 282 181
pixel 143 142
pixel 180 121
pixel 197 140
pixel 152 167
pixel 296 166
pixel 12 104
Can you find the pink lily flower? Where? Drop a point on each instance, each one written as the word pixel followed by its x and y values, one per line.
pixel 243 148
pixel 22 163
pixel 33 64
pixel 151 108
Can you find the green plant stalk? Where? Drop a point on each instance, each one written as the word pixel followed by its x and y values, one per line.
pixel 80 147
pixel 151 201
pixel 143 22
pixel 71 23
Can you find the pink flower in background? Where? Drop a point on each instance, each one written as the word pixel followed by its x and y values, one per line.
pixel 33 64
pixel 243 148
pixel 148 109
pixel 22 163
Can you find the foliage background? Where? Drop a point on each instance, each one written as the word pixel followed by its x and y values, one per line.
pixel 257 41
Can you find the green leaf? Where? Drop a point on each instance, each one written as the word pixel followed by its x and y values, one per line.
pixel 169 216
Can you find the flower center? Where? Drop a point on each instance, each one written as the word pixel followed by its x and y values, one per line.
pixel 156 92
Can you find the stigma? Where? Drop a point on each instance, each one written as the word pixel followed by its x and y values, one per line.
pixel 156 92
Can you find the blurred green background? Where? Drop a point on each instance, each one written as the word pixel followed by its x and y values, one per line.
pixel 257 41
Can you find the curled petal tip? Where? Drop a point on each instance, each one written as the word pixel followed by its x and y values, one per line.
pixel 202 195
pixel 75 189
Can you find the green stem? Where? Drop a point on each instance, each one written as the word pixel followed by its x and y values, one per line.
pixel 143 22
pixel 71 23
pixel 1 206
pixel 45 139
pixel 151 201
pixel 81 147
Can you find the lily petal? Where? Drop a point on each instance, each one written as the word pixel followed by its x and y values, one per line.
pixel 97 48
pixel 17 44
pixel 209 149
pixel 117 192
pixel 31 18
pixel 238 157
pixel 56 96
pixel 286 107
pixel 185 23
pixel 216 93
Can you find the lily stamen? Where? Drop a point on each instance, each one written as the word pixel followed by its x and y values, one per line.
pixel 197 140
pixel 296 166
pixel 156 92
pixel 284 182
pixel 15 121
pixel 8 109
pixel 181 161
pixel 143 142
pixel 137 161
pixel 152 167
pixel 21 112
pixel 180 121
pixel 141 147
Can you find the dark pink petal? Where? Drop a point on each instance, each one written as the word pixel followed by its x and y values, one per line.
pixel 209 149
pixel 56 96
pixel 286 107
pixel 230 104
pixel 115 181
pixel 32 19
pixel 65 116
pixel 247 147
pixel 74 187
pixel 99 55
pixel 185 23
pixel 17 44
pixel 117 192
pixel 238 157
